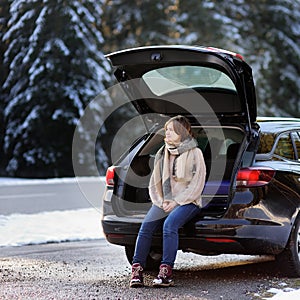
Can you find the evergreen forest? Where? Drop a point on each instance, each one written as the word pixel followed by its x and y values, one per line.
pixel 52 62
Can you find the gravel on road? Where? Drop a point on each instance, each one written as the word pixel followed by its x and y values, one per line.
pixel 98 270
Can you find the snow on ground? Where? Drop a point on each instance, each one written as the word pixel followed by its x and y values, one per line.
pixel 70 225
pixel 287 293
pixel 55 226
pixel 21 181
pixel 48 226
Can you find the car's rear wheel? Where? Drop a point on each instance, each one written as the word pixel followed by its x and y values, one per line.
pixel 153 259
pixel 289 259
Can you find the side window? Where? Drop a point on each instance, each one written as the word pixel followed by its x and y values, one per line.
pixel 266 143
pixel 296 138
pixel 284 147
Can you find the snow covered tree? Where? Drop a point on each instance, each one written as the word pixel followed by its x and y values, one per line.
pixel 128 23
pixel 55 68
pixel 195 24
pixel 278 29
pixel 268 34
pixel 4 17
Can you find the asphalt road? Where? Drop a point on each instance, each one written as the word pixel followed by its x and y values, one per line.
pixel 98 270
pixel 34 196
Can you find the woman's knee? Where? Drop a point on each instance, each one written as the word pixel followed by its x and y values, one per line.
pixel 148 228
pixel 170 226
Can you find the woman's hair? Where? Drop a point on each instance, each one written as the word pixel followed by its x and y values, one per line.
pixel 181 126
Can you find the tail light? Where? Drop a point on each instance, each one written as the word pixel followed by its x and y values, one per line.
pixel 110 174
pixel 253 177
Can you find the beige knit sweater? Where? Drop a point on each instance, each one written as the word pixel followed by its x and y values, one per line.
pixel 184 192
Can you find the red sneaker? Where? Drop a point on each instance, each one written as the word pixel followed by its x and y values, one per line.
pixel 164 278
pixel 137 279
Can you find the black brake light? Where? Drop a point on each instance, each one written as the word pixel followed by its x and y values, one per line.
pixel 254 177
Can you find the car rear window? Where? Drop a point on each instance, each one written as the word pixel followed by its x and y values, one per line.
pixel 169 79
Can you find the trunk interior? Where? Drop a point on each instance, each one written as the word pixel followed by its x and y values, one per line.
pixel 221 150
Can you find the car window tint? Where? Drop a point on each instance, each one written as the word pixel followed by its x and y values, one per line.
pixel 284 147
pixel 168 79
pixel 296 138
pixel 266 143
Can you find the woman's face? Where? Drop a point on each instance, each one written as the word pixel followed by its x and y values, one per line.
pixel 171 135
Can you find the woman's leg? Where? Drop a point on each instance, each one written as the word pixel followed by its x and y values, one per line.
pixel 153 220
pixel 176 219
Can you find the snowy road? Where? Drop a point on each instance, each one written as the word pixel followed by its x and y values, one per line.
pixel 34 196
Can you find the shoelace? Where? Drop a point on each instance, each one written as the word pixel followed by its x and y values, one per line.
pixel 136 271
pixel 163 272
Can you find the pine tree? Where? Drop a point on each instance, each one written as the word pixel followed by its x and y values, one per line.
pixel 128 23
pixel 267 33
pixel 55 68
pixel 196 25
pixel 4 17
pixel 283 38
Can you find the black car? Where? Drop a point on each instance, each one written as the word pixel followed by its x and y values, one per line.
pixel 253 169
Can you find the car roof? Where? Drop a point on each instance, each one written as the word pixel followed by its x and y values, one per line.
pixel 275 125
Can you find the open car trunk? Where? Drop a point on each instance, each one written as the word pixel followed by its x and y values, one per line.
pixel 222 148
pixel 213 88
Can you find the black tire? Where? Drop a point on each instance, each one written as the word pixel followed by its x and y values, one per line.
pixel 289 260
pixel 153 259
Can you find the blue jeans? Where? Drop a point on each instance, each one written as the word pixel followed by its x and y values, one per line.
pixel 154 220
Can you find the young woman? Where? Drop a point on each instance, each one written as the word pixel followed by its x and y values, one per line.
pixel 175 189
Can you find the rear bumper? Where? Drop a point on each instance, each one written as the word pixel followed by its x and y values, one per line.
pixel 209 239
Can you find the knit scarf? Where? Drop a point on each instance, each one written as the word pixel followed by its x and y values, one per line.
pixel 181 170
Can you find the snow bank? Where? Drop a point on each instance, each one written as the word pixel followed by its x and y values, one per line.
pixel 45 227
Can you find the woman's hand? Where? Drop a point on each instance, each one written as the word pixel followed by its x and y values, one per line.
pixel 169 205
